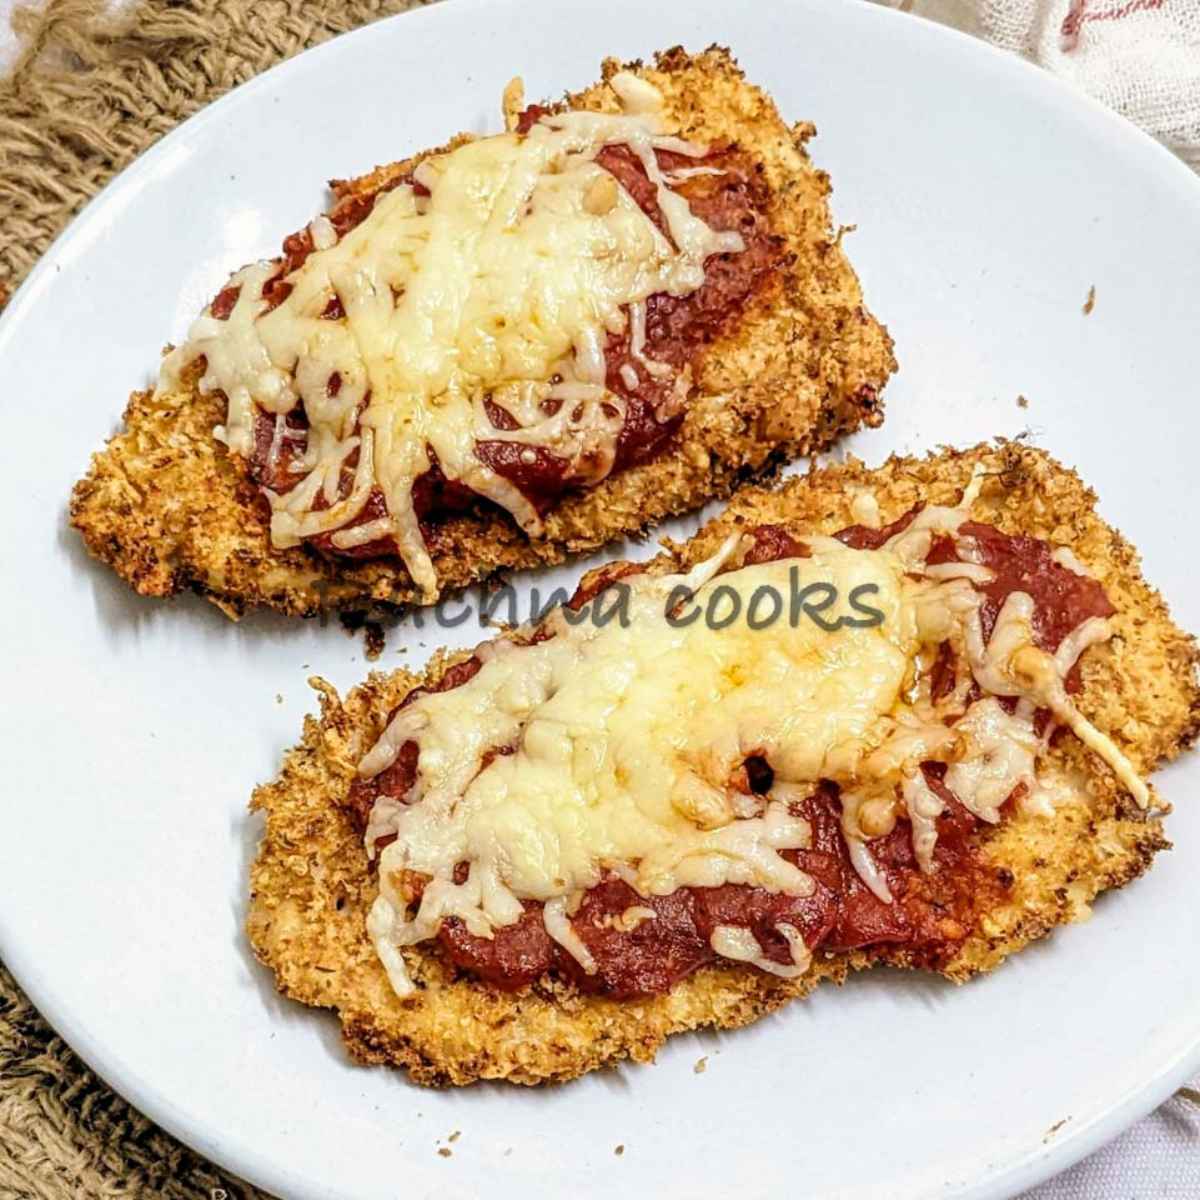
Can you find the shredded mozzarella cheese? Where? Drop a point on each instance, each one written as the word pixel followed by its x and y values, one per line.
pixel 627 738
pixel 503 283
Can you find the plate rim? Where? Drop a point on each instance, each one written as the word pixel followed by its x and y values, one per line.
pixel 997 1181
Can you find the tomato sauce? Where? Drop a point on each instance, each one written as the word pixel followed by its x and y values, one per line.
pixel 678 329
pixel 930 915
pixel 1062 599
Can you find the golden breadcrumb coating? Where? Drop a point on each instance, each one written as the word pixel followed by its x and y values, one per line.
pixel 168 508
pixel 311 888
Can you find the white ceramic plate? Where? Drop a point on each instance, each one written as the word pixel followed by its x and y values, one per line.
pixel 988 200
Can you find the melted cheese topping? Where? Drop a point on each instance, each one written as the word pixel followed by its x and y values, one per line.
pixel 502 283
pixel 624 740
pixel 739 944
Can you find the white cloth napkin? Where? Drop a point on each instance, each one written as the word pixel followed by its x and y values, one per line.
pixel 1141 58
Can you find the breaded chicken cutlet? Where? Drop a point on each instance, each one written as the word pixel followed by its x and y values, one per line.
pixel 648 305
pixel 551 853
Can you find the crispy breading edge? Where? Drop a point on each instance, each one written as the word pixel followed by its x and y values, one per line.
pixel 310 887
pixel 168 508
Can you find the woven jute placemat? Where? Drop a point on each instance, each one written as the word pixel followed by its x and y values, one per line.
pixel 89 91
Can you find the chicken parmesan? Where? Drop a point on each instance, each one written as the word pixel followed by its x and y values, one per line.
pixel 494 354
pixel 900 716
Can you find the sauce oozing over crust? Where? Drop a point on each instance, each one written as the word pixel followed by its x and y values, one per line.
pixel 924 882
pixel 552 294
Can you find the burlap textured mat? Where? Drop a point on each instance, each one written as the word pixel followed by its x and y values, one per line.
pixel 89 91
